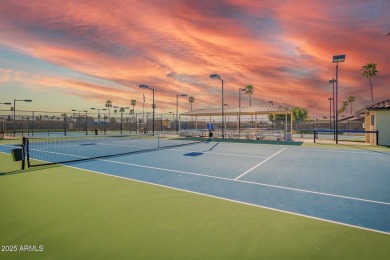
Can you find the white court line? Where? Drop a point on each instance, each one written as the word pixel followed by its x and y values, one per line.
pixel 236 179
pixel 10 145
pixel 227 154
pixel 254 167
pixel 236 201
pixel 320 149
pixel 248 182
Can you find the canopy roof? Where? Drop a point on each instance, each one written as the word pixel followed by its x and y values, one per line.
pixel 253 110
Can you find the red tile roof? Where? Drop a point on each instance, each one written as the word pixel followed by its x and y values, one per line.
pixel 382 105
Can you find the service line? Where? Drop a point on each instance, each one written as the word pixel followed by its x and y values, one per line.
pixel 254 167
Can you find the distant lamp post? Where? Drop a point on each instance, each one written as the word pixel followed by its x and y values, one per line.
pixel 330 113
pixel 22 100
pixel 98 109
pixel 337 59
pixel 239 110
pixel 86 119
pixel 86 122
pixel 216 76
pixel 177 110
pixel 153 106
pixel 173 118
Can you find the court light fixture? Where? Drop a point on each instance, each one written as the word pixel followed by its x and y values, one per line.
pixel 143 86
pixel 338 58
pixel 217 76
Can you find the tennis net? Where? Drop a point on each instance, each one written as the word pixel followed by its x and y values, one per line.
pixel 57 150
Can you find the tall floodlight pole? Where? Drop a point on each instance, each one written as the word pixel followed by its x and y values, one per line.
pixel 337 59
pixel 216 76
pixel 153 105
pixel 23 100
pixel 333 81
pixel 177 110
pixel 330 113
pixel 239 111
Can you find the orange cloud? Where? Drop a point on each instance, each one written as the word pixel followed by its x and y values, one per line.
pixel 283 48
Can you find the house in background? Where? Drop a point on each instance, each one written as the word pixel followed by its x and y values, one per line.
pixel 377 117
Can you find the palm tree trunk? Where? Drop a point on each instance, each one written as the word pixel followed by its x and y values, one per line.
pixel 372 96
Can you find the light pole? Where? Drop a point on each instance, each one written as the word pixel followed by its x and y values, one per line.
pixel 332 81
pixel 173 118
pixel 98 109
pixel 153 106
pixel 177 110
pixel 86 122
pixel 79 118
pixel 23 100
pixel 337 59
pixel 216 76
pixel 239 112
pixel 330 113
pixel 5 103
pixel 86 118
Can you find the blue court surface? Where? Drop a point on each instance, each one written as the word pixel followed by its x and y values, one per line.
pixel 346 186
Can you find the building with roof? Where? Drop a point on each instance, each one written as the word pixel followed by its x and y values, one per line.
pixel 377 118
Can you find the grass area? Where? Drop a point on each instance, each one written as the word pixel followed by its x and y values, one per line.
pixel 77 214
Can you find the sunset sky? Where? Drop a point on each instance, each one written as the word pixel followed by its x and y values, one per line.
pixel 76 54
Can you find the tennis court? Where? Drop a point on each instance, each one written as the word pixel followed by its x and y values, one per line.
pixel 346 186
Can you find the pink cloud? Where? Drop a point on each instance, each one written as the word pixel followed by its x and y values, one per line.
pixel 283 48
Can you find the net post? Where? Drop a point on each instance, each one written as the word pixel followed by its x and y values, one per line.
pixel 158 140
pixel 314 135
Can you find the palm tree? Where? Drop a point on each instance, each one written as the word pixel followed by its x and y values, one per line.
pixel 351 99
pixel 108 105
pixel 370 71
pixel 341 110
pixel 133 103
pixel 345 105
pixel 249 91
pixel 191 100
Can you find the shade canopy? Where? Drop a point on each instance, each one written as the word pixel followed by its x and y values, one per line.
pixel 253 110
